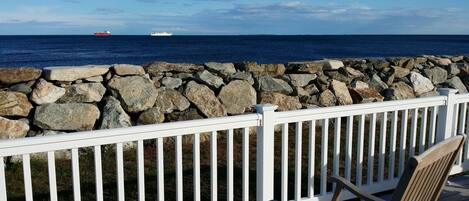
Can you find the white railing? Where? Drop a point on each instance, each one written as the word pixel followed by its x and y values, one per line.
pixel 367 144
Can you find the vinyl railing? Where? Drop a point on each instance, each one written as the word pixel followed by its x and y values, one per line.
pixel 367 144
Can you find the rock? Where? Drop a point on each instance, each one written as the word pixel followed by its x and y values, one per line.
pixel 379 64
pixel 359 85
pixel 341 93
pixel 327 98
pixel 171 83
pixel 270 84
pixel 283 102
pixel 400 72
pixel 46 92
pixel 420 84
pixel 72 73
pixel 399 91
pixel 456 83
pixel 128 69
pixel 14 104
pixel 354 73
pixel 67 117
pixel 457 58
pixel 25 88
pixel 306 67
pixel 437 75
pixel 238 96
pixel 159 67
pixel 405 62
pixel 151 116
pixel 443 62
pixel 365 95
pixel 453 70
pixel 311 89
pixel 301 80
pixel 377 83
pixel 114 115
pixel 332 64
pixel 243 76
pixel 17 75
pixel 95 79
pixel 204 98
pixel 135 93
pixel 210 79
pixel 223 69
pixel 262 69
pixel 184 76
pixel 430 94
pixel 11 129
pixel 340 76
pixel 190 114
pixel 83 93
pixel 169 100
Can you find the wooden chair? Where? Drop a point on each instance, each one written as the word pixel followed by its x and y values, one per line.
pixel 422 180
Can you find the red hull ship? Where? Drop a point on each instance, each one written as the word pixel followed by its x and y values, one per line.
pixel 105 33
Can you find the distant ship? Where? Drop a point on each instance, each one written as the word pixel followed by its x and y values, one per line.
pixel 105 33
pixel 160 34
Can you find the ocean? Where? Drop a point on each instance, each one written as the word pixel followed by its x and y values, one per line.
pixel 43 51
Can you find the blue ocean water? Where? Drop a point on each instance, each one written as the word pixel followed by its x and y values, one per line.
pixel 42 51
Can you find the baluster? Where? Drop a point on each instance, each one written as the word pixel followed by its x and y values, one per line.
pixel 120 171
pixel 413 134
pixel 432 128
pixel 179 178
pixel 98 173
pixel 382 146
pixel 284 168
pixel 160 163
pixel 213 165
pixel 245 164
pixel 230 165
pixel 392 145
pixel 298 161
pixel 196 157
pixel 311 151
pixel 402 148
pixel 348 148
pixel 423 130
pixel 141 170
pixel 361 138
pixel 52 176
pixel 28 186
pixel 336 147
pixel 324 149
pixel 371 149
pixel 3 186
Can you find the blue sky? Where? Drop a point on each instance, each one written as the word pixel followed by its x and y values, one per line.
pixel 234 16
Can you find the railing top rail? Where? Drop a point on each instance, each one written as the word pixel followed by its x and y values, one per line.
pixel 357 109
pixel 461 98
pixel 120 135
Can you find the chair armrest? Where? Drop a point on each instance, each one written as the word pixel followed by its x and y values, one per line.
pixel 342 183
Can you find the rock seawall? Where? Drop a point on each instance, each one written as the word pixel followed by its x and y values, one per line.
pixel 55 100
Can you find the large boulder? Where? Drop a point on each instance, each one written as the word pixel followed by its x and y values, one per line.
pixel 270 84
pixel 377 83
pixel 66 117
pixel 399 91
pixel 14 104
pixel 128 69
pixel 210 79
pixel 151 116
pixel 114 115
pixel 243 76
pixel 16 75
pixel 25 88
pixel 223 69
pixel 262 69
pixel 237 96
pixel 437 75
pixel 420 84
pixel 341 93
pixel 169 100
pixel 157 67
pixel 301 80
pixel 283 102
pixel 72 73
pixel 135 93
pixel 456 83
pixel 171 82
pixel 330 64
pixel 10 129
pixel 83 93
pixel 443 62
pixel 204 99
pixel 399 72
pixel 46 92
pixel 327 98
pixel 365 95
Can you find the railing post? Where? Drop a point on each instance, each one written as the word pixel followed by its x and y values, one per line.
pixel 265 153
pixel 446 114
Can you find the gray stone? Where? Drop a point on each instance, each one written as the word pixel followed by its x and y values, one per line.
pixel 237 96
pixel 83 93
pixel 443 62
pixel 67 117
pixel 46 92
pixel 341 93
pixel 25 88
pixel 72 73
pixel 405 62
pixel 270 84
pixel 399 91
pixel 169 100
pixel 311 89
pixel 359 85
pixel 11 129
pixel 365 95
pixel 306 66
pixel 453 69
pixel 243 76
pixel 223 69
pixel 204 99
pixel 128 69
pixel 341 76
pixel 420 84
pixel 190 114
pixel 135 93
pixel 354 73
pixel 283 102
pixel 400 72
pixel 430 94
pixel 151 116
pixel 14 104
pixel 437 75
pixel 210 79
pixel 456 83
pixel 17 75
pixel 330 64
pixel 114 115
pixel 157 67
pixel 95 79
pixel 171 83
pixel 377 83
pixel 262 69
pixel 327 98
pixel 301 80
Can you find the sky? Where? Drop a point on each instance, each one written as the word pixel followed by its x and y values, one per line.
pixel 234 17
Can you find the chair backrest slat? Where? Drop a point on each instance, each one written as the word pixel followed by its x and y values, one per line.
pixel 426 174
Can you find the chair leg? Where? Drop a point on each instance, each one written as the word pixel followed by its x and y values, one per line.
pixel 338 190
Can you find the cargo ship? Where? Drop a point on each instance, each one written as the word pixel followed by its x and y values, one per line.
pixel 104 33
pixel 160 34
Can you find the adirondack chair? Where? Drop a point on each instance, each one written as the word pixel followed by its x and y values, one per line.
pixel 422 180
